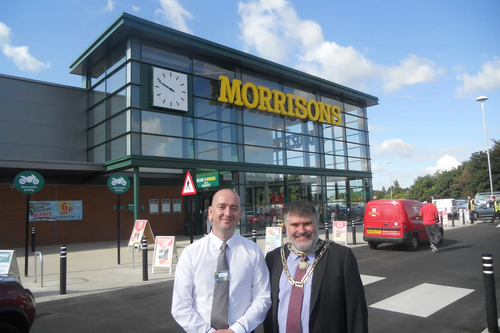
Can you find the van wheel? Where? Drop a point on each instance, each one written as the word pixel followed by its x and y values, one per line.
pixel 413 245
pixel 372 245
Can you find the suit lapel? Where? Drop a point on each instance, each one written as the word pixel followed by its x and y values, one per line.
pixel 318 274
pixel 275 282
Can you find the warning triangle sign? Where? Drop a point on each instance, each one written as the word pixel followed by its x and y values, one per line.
pixel 188 188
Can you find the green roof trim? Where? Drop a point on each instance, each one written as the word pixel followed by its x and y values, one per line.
pixel 126 26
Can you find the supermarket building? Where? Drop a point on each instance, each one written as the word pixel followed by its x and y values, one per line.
pixel 156 103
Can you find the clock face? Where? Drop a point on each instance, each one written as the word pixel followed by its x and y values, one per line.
pixel 170 89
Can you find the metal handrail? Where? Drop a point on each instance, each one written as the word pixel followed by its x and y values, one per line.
pixel 138 247
pixel 38 253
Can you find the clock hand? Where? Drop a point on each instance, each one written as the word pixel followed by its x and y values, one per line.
pixel 172 90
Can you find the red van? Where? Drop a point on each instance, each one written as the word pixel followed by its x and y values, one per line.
pixel 394 221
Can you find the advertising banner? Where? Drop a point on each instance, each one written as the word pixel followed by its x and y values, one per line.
pixel 141 228
pixel 274 237
pixel 340 231
pixel 55 211
pixel 164 252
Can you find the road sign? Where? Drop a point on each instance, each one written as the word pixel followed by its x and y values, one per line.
pixel 189 188
pixel 29 182
pixel 118 183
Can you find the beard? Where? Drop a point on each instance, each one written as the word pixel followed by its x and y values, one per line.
pixel 305 245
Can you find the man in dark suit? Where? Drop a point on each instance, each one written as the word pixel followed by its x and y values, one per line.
pixel 315 284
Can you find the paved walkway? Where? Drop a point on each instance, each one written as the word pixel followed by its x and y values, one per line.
pixel 93 267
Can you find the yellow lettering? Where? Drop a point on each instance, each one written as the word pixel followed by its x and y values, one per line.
pixel 264 99
pixel 336 114
pixel 289 105
pixel 234 90
pixel 300 110
pixel 310 115
pixel 279 102
pixel 255 95
pixel 325 115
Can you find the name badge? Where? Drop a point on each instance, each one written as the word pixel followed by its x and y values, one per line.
pixel 221 276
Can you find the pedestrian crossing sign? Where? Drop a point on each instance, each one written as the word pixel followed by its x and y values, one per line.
pixel 189 187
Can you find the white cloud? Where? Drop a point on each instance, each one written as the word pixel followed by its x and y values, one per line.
pixel 411 70
pixel 109 7
pixel 136 8
pixel 19 54
pixel 487 78
pixel 445 163
pixel 396 146
pixel 175 15
pixel 274 31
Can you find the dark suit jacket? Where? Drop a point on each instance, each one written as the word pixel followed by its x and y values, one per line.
pixel 338 302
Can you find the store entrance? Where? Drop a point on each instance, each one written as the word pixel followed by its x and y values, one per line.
pixel 205 201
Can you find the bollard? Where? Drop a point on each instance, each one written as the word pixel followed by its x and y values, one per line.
pixel 452 219
pixel 489 292
pixel 63 269
pixel 144 259
pixel 463 217
pixel 32 239
pixel 353 224
pixel 254 235
pixel 326 230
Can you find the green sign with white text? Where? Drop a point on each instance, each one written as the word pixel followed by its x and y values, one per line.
pixel 207 179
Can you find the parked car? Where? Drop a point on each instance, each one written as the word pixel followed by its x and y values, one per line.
pixel 17 306
pixel 483 210
pixel 395 221
pixel 254 217
pixel 462 203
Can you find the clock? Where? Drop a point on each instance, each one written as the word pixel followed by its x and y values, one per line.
pixel 170 89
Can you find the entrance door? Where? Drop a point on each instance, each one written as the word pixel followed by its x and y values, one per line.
pixel 205 202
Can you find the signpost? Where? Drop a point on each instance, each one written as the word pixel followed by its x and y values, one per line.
pixel 28 182
pixel 189 189
pixel 118 184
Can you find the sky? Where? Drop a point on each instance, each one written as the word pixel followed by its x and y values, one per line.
pixel 427 61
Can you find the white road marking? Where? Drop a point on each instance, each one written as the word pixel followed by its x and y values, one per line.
pixel 367 279
pixel 422 300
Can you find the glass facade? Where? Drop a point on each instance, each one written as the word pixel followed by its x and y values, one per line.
pixel 317 161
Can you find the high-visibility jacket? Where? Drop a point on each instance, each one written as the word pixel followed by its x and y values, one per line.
pixel 496 207
pixel 472 205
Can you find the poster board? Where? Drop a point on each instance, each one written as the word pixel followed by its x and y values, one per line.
pixel 340 232
pixel 8 264
pixel 165 250
pixel 141 229
pixel 274 238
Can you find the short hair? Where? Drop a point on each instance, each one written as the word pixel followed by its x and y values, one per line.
pixel 493 197
pixel 429 199
pixel 300 208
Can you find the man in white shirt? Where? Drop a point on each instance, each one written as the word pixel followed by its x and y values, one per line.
pixel 249 289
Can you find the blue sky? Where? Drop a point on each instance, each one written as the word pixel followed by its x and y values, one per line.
pixel 427 61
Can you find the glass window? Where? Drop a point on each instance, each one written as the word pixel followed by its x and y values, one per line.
pixel 97 72
pixel 263 155
pixel 335 162
pixel 214 131
pixel 116 81
pixel 355 136
pixel 260 80
pixel 299 92
pixel 263 119
pixel 302 159
pixel 334 147
pixel 136 120
pixel 210 70
pixel 354 122
pixel 333 132
pixel 164 58
pixel 353 150
pixel 97 135
pixel 206 88
pixel 118 102
pixel 97 154
pixel 162 146
pixel 97 114
pixel 119 147
pixel 167 124
pixel 262 137
pixel 213 110
pixel 302 142
pixel 216 151
pixel 356 164
pixel 117 57
pixel 97 94
pixel 119 125
pixel 354 110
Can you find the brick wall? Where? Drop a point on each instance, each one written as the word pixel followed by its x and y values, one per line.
pixel 99 221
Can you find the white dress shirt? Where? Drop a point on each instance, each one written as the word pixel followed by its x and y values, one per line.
pixel 285 292
pixel 249 288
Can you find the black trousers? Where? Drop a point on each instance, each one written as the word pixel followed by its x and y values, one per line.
pixel 496 214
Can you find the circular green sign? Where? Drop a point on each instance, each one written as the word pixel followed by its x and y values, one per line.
pixel 118 183
pixel 29 182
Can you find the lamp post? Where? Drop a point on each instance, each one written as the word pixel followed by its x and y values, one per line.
pixel 390 179
pixel 482 99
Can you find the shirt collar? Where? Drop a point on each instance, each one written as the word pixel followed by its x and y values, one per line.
pixel 218 242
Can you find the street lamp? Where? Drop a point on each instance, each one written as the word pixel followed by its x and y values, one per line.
pixel 482 99
pixel 390 179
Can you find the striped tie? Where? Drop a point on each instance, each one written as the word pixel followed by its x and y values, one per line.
pixel 221 294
